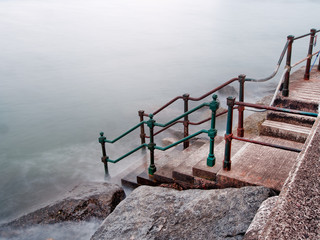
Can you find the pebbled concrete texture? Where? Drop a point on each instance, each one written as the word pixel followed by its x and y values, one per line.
pixel 296 214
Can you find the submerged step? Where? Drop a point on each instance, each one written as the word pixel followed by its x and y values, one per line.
pixel 285 130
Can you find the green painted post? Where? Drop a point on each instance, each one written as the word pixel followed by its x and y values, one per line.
pixel 307 72
pixel 285 91
pixel 228 136
pixel 214 105
pixel 240 130
pixel 104 158
pixel 151 146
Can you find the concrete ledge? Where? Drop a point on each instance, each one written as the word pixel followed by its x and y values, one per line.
pixel 296 214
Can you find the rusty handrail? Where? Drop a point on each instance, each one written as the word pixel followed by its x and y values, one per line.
pixel 191 98
pixel 186 122
pixel 229 135
pixel 191 123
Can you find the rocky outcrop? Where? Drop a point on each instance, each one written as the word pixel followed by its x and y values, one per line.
pixel 161 213
pixel 84 202
pixel 262 216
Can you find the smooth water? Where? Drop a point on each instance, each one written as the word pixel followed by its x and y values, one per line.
pixel 70 69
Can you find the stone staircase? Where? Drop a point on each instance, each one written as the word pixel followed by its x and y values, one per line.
pixel 251 164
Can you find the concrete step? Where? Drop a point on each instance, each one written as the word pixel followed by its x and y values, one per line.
pixel 145 179
pixel 201 169
pixel 293 103
pixel 284 130
pixel 260 165
pixel 291 118
pixel 164 172
pixel 184 171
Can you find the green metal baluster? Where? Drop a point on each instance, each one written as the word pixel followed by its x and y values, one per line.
pixel 228 136
pixel 152 168
pixel 104 158
pixel 214 105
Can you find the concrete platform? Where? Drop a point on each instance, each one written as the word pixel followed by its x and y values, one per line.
pixel 260 165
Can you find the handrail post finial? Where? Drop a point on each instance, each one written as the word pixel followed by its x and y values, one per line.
pixel 240 130
pixel 228 136
pixel 307 72
pixel 212 133
pixel 285 91
pixel 151 146
pixel 104 158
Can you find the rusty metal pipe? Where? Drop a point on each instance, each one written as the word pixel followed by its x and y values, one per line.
pixel 285 91
pixel 213 90
pixel 277 109
pixel 240 130
pixel 186 120
pixel 307 72
pixel 267 144
pixel 142 132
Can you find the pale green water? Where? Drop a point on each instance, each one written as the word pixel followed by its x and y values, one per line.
pixel 70 69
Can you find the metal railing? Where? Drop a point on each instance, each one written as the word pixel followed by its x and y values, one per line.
pixel 229 136
pixel 287 49
pixel 151 123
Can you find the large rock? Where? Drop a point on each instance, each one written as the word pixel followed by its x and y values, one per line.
pixel 161 213
pixel 261 218
pixel 84 202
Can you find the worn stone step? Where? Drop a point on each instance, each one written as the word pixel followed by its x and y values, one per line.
pixel 260 165
pixel 164 174
pixel 297 104
pixel 295 119
pixel 201 169
pixel 184 171
pixel 284 130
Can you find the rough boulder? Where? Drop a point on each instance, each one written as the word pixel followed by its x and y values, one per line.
pixel 161 213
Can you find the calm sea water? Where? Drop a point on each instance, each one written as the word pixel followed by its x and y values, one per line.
pixel 70 69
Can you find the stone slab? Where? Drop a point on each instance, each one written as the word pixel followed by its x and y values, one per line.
pixel 296 214
pixel 203 171
pixel 285 130
pixel 161 213
pixel 260 165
